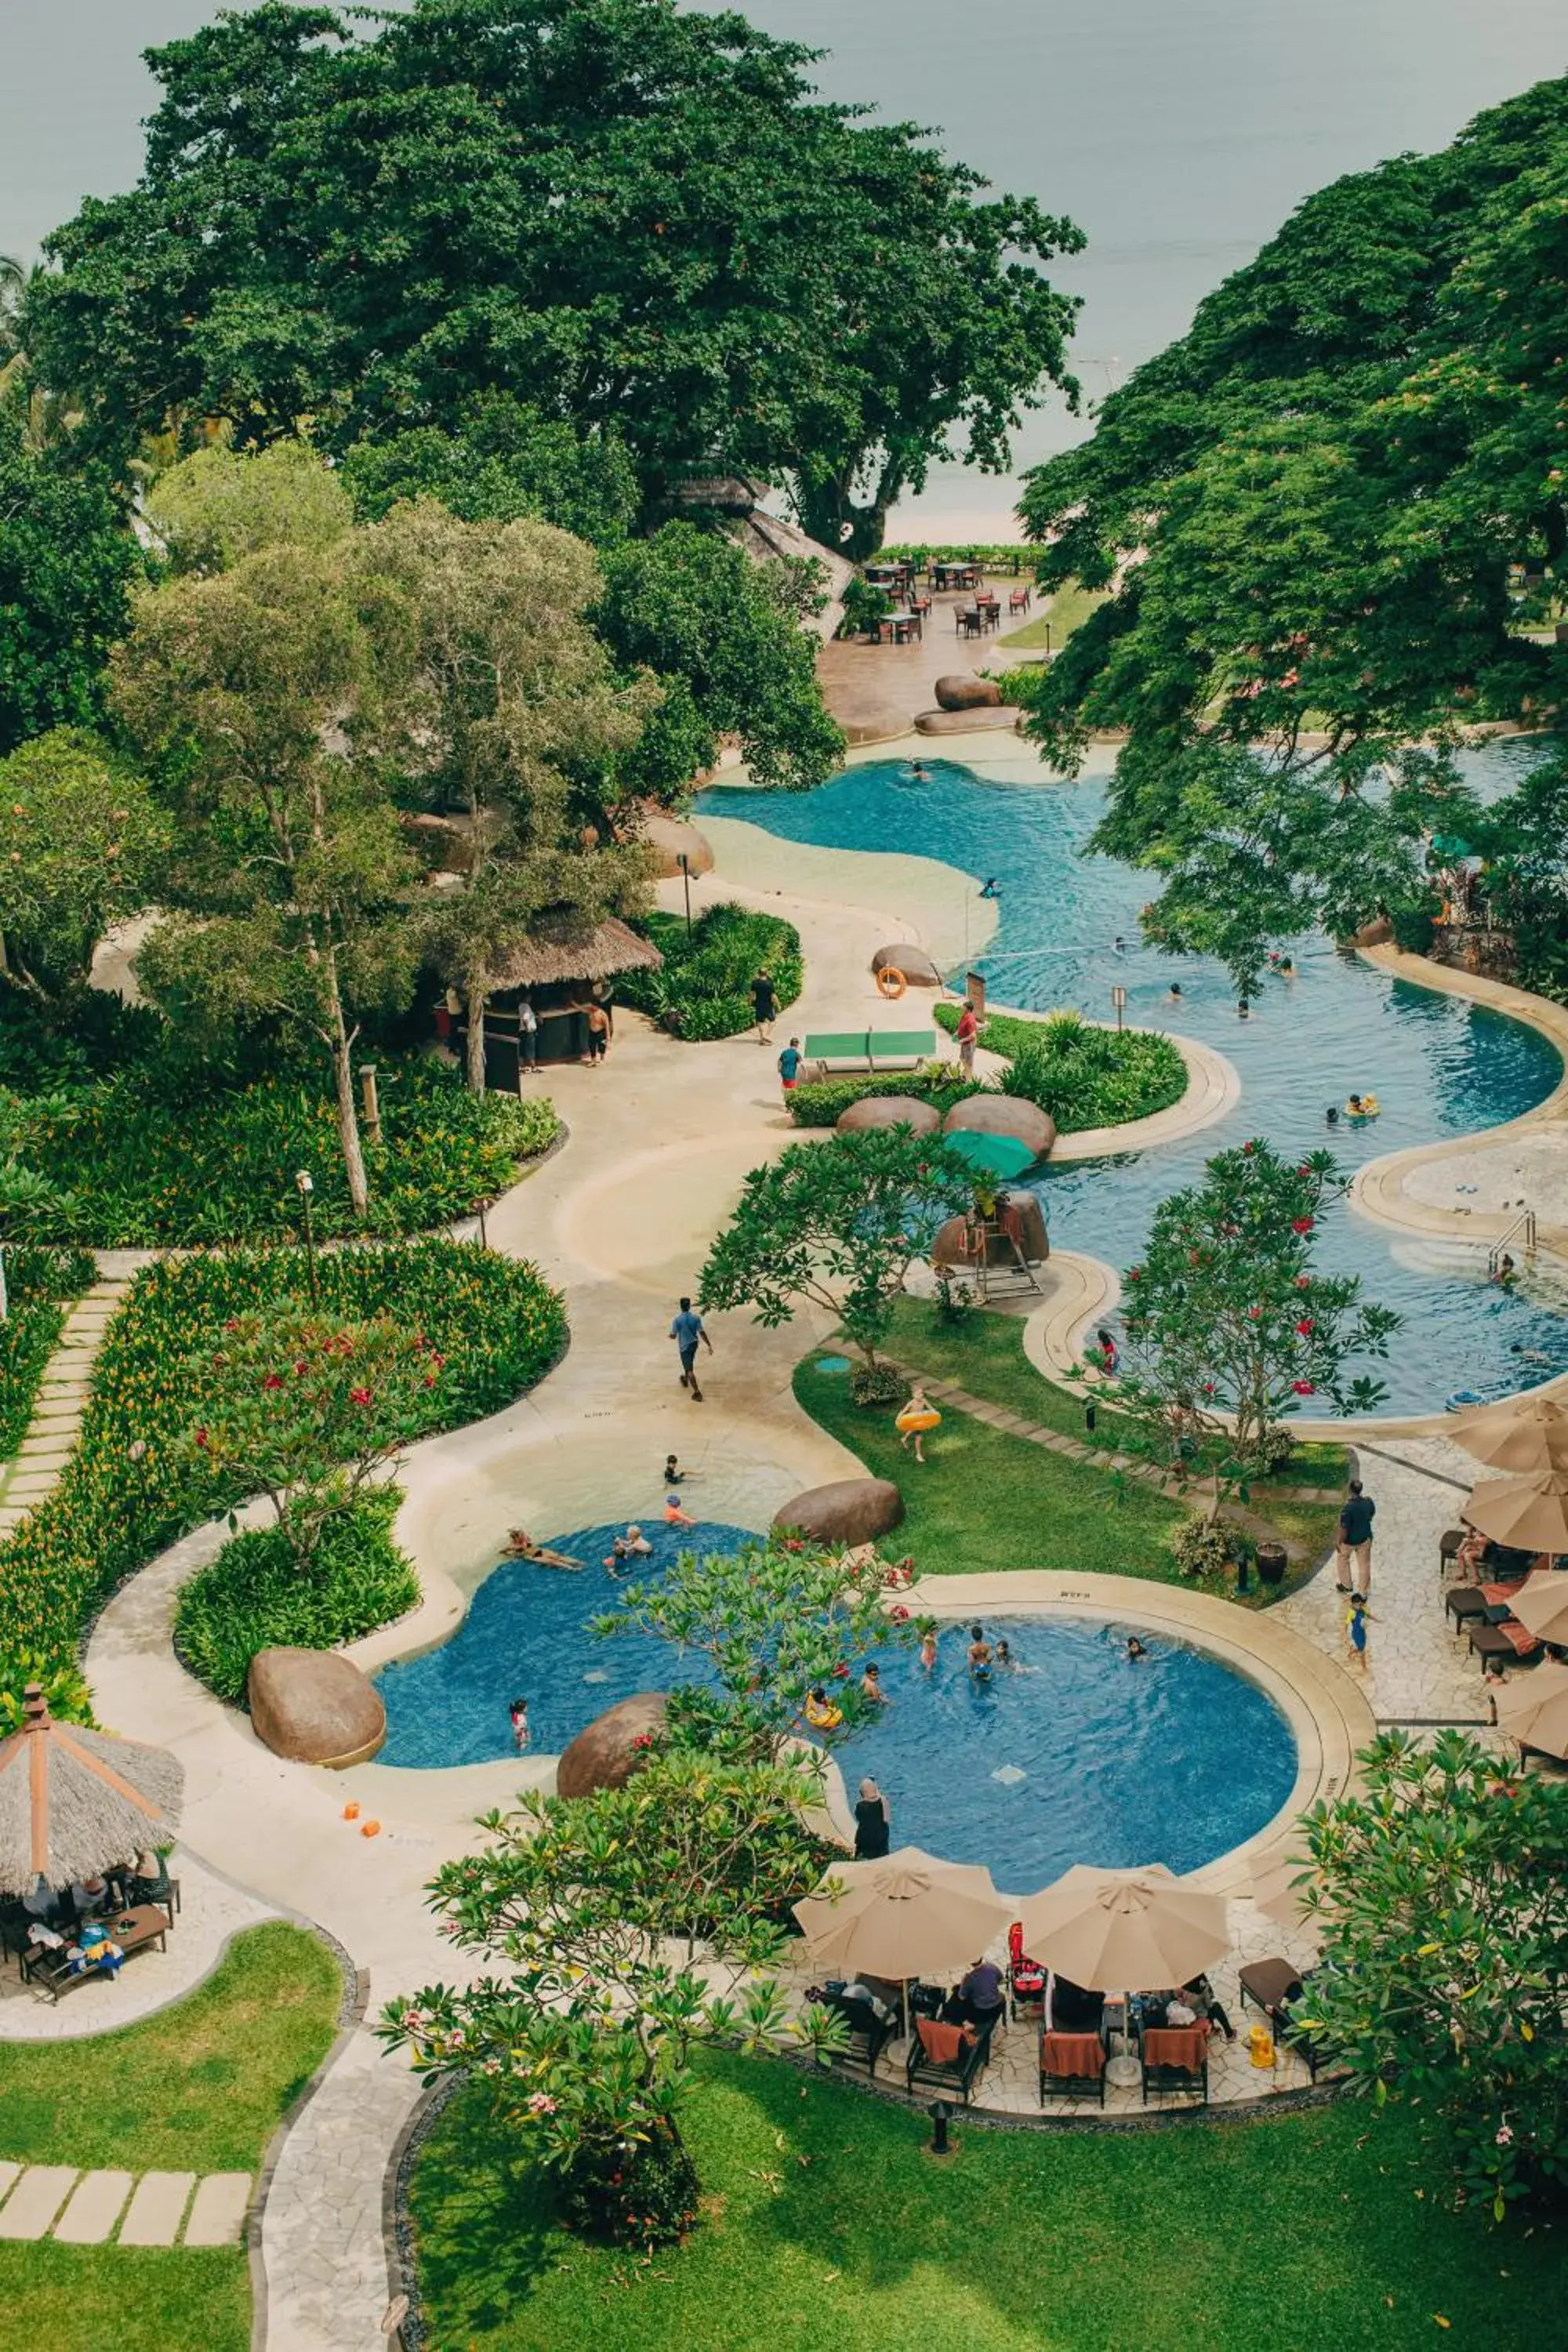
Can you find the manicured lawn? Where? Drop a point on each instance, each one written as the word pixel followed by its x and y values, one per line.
pixel 999 1502
pixel 1068 609
pixel 985 1501
pixel 825 2224
pixel 200 2088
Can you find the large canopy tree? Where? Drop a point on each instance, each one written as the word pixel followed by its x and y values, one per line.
pixel 1307 509
pixel 81 843
pixel 639 219
pixel 67 565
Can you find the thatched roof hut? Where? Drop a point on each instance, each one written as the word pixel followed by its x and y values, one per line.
pixel 75 1802
pixel 561 951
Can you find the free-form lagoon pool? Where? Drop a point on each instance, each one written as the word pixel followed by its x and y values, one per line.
pixel 1081 1756
pixel 1439 1065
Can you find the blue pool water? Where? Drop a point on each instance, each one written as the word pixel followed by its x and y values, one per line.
pixel 1173 1759
pixel 1438 1067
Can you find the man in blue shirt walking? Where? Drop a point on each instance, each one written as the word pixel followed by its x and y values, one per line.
pixel 1353 1552
pixel 686 1331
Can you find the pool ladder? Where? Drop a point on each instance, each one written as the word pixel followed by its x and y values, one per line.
pixel 1522 1230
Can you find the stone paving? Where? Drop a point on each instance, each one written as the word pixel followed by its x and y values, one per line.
pixel 29 1479
pixel 81 2209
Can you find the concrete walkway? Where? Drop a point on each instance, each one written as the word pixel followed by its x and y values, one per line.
pixel 43 1451
pixel 89 2208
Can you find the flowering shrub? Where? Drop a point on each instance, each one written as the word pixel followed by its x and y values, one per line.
pixel 146 1166
pixel 255 1595
pixel 136 1482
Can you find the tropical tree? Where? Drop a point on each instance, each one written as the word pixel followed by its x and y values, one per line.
pixel 665 234
pixel 66 566
pixel 771 1622
pixel 1440 1889
pixel 837 1224
pixel 725 635
pixel 501 461
pixel 81 842
pixel 258 691
pixel 220 505
pixel 1327 515
pixel 582 2024
pixel 511 706
pixel 307 1410
pixel 1226 1316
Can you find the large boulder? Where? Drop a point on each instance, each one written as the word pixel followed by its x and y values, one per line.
pixel 670 838
pixel 314 1707
pixel 966 722
pixel 605 1754
pixel 1033 1239
pixel 1003 1115
pixel 914 963
pixel 846 1511
pixel 889 1111
pixel 964 691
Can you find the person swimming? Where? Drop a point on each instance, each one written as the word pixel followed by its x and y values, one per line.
pixel 928 1649
pixel 820 1711
pixel 1173 993
pixel 917 774
pixel 1332 1116
pixel 521 1544
pixel 982 1660
pixel 1507 1272
pixel 1135 1648
pixel 991 887
pixel 633 1545
pixel 517 1713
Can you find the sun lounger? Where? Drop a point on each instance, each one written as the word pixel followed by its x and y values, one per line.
pixel 1072 2067
pixel 868 2034
pixel 869 1049
pixel 948 2057
pixel 1176 2058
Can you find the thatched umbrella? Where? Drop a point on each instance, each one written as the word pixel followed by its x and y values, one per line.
pixel 74 1803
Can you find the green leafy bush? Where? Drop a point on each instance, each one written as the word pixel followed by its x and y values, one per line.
pixel 38 1283
pixel 821 1102
pixel 702 990
pixel 1078 1075
pixel 132 1487
pixel 253 1596
pixel 148 1167
pixel 866 606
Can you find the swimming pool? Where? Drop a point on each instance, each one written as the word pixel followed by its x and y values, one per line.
pixel 1080 1757
pixel 1439 1065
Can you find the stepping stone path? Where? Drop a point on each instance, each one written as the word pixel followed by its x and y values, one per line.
pixel 81 2209
pixel 62 1399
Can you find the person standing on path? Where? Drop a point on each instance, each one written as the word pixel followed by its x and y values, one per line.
pixel 687 1330
pixel 968 1030
pixel 1353 1552
pixel 1355 1632
pixel 765 1007
pixel 789 1066
pixel 598 1022
pixel 527 1036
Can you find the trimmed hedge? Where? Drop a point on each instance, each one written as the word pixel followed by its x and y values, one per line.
pixel 253 1597
pixel 132 1486
pixel 150 1167
pixel 1078 1075
pixel 702 990
pixel 818 1102
pixel 39 1283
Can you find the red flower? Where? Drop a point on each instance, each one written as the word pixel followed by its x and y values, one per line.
pixel 1302 1387
pixel 201 1438
pixel 300 1369
pixel 1249 1147
pixel 1303 1282
pixel 1303 1171
pixel 1306 1325
pixel 232 1324
pixel 1300 1224
pixel 1209 1388
pixel 359 1396
pixel 898 1614
pixel 273 1381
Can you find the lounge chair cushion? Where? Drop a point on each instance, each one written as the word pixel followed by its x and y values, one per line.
pixel 945 2046
pixel 1072 2054
pixel 1176 2045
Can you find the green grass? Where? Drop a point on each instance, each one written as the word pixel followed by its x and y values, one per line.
pixel 985 1501
pixel 1004 1502
pixel 1068 608
pixel 824 2224
pixel 200 2087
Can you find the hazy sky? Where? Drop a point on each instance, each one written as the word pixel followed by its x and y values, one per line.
pixel 1178 133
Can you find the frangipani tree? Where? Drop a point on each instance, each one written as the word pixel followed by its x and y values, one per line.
pixel 837 1224
pixel 1226 1316
pixel 583 2025
pixel 1440 1889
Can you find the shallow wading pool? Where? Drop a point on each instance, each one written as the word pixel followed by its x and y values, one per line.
pixel 1080 1756
pixel 1439 1065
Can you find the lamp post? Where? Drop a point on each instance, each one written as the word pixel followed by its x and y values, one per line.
pixel 307 1184
pixel 939 2144
pixel 1118 998
pixel 684 862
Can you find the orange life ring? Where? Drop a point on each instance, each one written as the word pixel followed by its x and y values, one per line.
pixel 890 981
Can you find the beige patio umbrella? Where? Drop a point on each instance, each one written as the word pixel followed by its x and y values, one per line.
pixel 75 1802
pixel 1534 1709
pixel 906 1913
pixel 1526 1436
pixel 1279 1897
pixel 1125 1930
pixel 1541 1603
pixel 1530 1512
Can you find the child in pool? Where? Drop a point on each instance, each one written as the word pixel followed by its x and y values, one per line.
pixel 674 1516
pixel 674 1475
pixel 518 1711
pixel 820 1711
pixel 633 1545
pixel 1135 1648
pixel 928 1650
pixel 982 1661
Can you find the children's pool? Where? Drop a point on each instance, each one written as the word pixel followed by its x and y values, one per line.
pixel 1438 1067
pixel 1080 1756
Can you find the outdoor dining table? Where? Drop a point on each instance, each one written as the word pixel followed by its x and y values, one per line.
pixel 900 627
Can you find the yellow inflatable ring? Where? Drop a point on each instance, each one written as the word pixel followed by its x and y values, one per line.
pixel 890 981
pixel 909 1420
